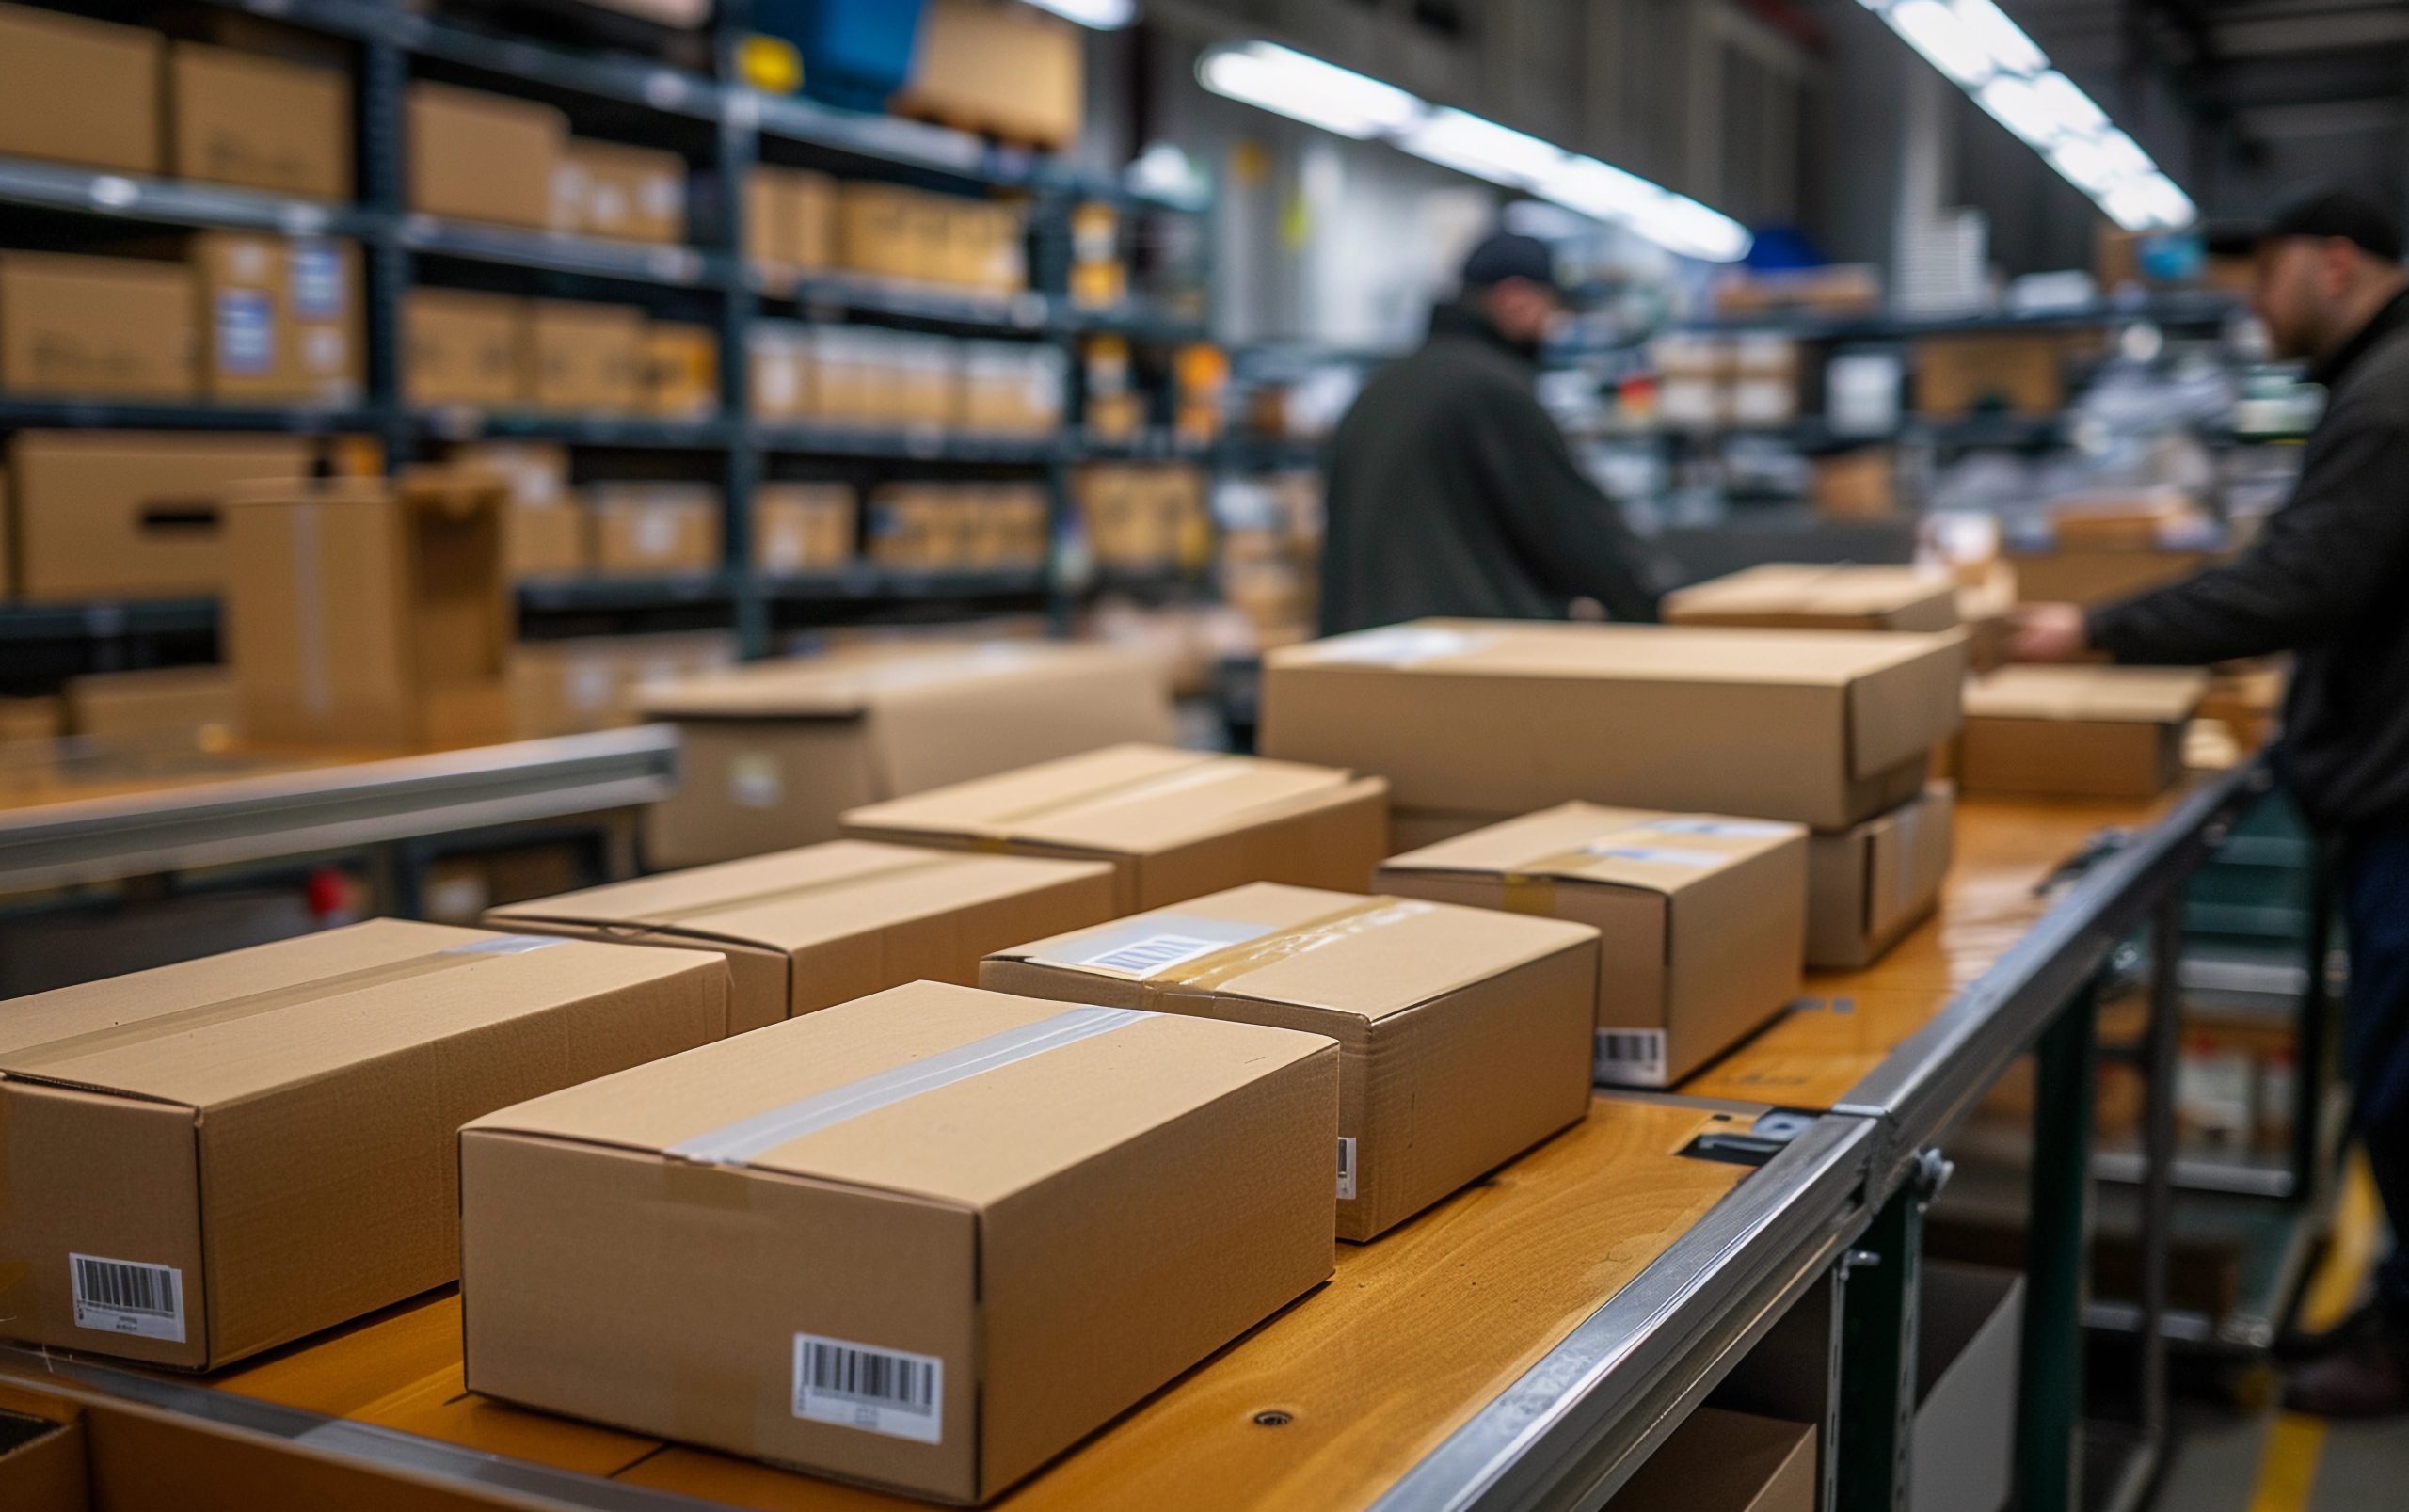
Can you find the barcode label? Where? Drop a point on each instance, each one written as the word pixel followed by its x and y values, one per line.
pixel 1346 1169
pixel 1735 829
pixel 126 1296
pixel 506 944
pixel 880 1391
pixel 1156 953
pixel 1148 946
pixel 1631 1058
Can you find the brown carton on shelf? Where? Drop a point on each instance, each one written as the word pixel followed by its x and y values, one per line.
pixel 772 755
pixel 258 122
pixel 593 682
pixel 1780 596
pixel 546 540
pixel 1869 885
pixel 802 527
pixel 1702 920
pixel 1174 824
pixel 2077 731
pixel 1956 375
pixel 115 703
pixel 1720 1461
pixel 651 529
pixel 1009 71
pixel 632 194
pixel 371 611
pixel 133 514
pixel 1464 1034
pixel 586 358
pixel 213 1158
pixel 828 923
pixel 769 198
pixel 925 1240
pixel 1821 727
pixel 465 348
pixel 680 370
pixel 281 319
pixel 480 156
pixel 95 328
pixel 874 224
pixel 77 90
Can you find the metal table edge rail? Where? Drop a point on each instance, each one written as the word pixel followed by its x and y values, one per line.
pixel 291 813
pixel 1924 1085
pixel 1581 1403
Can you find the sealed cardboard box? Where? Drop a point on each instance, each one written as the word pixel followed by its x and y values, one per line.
pixel 371 611
pixel 654 528
pixel 594 682
pixel 1856 485
pixel 464 348
pixel 1780 596
pixel 2077 731
pixel 1720 1461
pixel 481 156
pixel 546 540
pixel 99 327
pixel 112 705
pixel 280 318
pixel 828 923
pixel 1956 375
pixel 2122 519
pixel 586 358
pixel 869 1243
pixel 773 754
pixel 636 194
pixel 211 1158
pixel 1702 920
pixel 1174 824
pixel 1001 70
pixel 680 371
pixel 77 90
pixel 133 514
pixel 2090 577
pixel 802 527
pixel 1820 727
pixel 1463 1033
pixel 1869 885
pixel 40 718
pixel 259 121
pixel 874 230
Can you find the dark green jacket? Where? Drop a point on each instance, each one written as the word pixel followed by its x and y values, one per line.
pixel 1452 492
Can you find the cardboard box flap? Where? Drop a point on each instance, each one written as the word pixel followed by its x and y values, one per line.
pixel 920 1090
pixel 1339 952
pixel 2116 695
pixel 1640 653
pixel 1613 847
pixel 204 1033
pixel 1839 592
pixel 789 899
pixel 1039 697
pixel 1910 849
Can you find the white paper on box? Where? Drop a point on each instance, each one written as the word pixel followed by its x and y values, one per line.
pixel 127 1297
pixel 1347 1168
pixel 1661 855
pixel 1731 829
pixel 1146 947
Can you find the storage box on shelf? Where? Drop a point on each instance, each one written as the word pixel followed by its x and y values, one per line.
pixel 999 71
pixel 133 514
pixel 97 327
pixel 1720 1461
pixel 256 121
pixel 594 682
pixel 112 705
pixel 465 348
pixel 481 156
pixel 804 527
pixel 954 526
pixel 78 90
pixel 680 370
pixel 586 358
pixel 609 189
pixel 655 528
pixel 1145 517
pixel 283 317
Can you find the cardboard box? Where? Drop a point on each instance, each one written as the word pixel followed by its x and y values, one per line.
pixel 2247 698
pixel 806 929
pixel 546 540
pixel 802 527
pixel 1859 484
pixel 480 156
pixel 1501 718
pixel 586 358
pixel 2092 578
pixel 1720 1461
pixel 77 90
pixel 789 219
pixel 650 529
pixel 632 194
pixel 282 318
pixel 213 1158
pixel 2122 519
pixel 1779 595
pixel 1962 1454
pixel 40 718
pixel 113 705
pixel 365 611
pixel 1001 70
pixel 1956 375
pixel 464 348
pixel 95 328
pixel 1174 824
pixel 133 514
pixel 595 682
pixel 1464 1034
pixel 713 1247
pixel 874 230
pixel 1869 885
pixel 1702 920
pixel 680 371
pixel 258 122
pixel 43 1449
pixel 773 754
pixel 2077 731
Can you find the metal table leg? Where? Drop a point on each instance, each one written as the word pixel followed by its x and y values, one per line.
pixel 1881 1281
pixel 2049 1426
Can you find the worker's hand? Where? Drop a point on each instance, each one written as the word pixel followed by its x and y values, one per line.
pixel 2050 632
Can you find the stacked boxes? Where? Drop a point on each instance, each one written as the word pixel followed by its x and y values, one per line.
pixel 478 156
pixel 487 351
pixel 1145 517
pixel 97 327
pixel 596 682
pixel 887 232
pixel 1707 381
pixel 81 92
pixel 281 319
pixel 865 376
pixel 259 122
pixel 790 220
pixel 2077 731
pixel 957 526
pixel 631 194
pixel 802 527
pixel 654 529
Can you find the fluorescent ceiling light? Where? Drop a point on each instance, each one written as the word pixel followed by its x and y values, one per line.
pixel 2122 155
pixel 2012 104
pixel 2002 39
pixel 1483 149
pixel 1601 190
pixel 1933 29
pixel 1691 226
pixel 1104 15
pixel 2073 110
pixel 1289 83
pixel 2088 165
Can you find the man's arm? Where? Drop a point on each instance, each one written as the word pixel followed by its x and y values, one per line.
pixel 1571 537
pixel 2322 560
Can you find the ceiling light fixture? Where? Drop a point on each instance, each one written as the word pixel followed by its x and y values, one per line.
pixel 1104 15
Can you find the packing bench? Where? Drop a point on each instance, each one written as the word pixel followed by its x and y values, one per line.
pixel 1528 1343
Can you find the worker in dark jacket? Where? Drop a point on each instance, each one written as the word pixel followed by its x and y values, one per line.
pixel 2328 580
pixel 1451 489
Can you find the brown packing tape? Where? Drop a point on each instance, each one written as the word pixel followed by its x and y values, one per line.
pixel 1207 973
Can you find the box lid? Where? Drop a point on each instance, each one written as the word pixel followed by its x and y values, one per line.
pixel 792 900
pixel 1127 798
pixel 1645 653
pixel 1653 852
pixel 1340 952
pixel 2118 695
pixel 852 683
pixel 926 1090
pixel 1842 591
pixel 207 1032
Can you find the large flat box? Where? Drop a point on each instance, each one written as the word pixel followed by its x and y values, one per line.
pixel 1174 824
pixel 480 156
pixel 773 754
pixel 133 514
pixel 1821 727
pixel 1464 1034
pixel 2089 577
pixel 802 527
pixel 96 328
pixel 1956 375
pixel 632 194
pixel 586 358
pixel 1869 885
pixel 1780 596
pixel 77 90
pixel 806 929
pixel 210 1159
pixel 1962 1454
pixel 258 122
pixel 651 529
pixel 365 611
pixel 1003 70
pixel 877 1243
pixel 1720 1461
pixel 1702 920
pixel 2077 731
pixel 114 705
pixel 42 1453
pixel 281 319
pixel 465 348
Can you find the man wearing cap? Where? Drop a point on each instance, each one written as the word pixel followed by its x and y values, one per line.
pixel 1451 491
pixel 2328 580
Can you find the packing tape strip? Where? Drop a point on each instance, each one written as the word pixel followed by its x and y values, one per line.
pixel 924 861
pixel 1208 972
